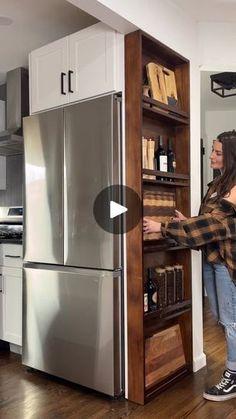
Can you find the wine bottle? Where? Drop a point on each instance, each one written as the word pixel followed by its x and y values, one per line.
pixel 161 156
pixel 151 291
pixel 171 161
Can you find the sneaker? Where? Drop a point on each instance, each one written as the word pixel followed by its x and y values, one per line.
pixel 225 390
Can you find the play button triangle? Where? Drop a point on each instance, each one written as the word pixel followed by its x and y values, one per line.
pixel 116 209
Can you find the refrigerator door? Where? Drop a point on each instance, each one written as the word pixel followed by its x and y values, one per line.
pixel 92 162
pixel 71 325
pixel 43 207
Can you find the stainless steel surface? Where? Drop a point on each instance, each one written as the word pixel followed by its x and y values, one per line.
pixel 17 106
pixel 71 324
pixel 43 140
pixel 13 194
pixel 91 165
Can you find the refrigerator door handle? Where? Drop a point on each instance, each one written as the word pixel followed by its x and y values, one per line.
pixel 117 172
pixel 117 140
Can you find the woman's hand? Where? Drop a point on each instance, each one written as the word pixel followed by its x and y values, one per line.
pixel 179 216
pixel 150 226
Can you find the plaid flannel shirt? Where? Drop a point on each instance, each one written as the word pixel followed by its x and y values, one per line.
pixel 213 231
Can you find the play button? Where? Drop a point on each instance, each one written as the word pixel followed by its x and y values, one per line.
pixel 117 209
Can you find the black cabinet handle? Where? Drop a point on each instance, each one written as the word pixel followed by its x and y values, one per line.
pixel 69 81
pixel 62 83
pixel 12 256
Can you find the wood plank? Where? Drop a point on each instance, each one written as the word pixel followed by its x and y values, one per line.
pixel 133 82
pixel 164 355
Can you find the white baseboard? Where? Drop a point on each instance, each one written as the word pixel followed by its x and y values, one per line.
pixel 15 348
pixel 199 362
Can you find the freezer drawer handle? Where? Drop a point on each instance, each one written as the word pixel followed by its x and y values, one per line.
pixel 69 81
pixel 12 256
pixel 62 83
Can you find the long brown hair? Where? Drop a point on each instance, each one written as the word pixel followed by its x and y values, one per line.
pixel 225 182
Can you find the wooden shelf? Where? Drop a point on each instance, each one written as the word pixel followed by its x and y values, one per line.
pixel 162 245
pixel 169 312
pixel 174 178
pixel 165 384
pixel 154 109
pixel 164 183
pixel 149 118
pixel 169 175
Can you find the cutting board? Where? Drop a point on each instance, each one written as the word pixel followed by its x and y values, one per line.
pixel 170 85
pixel 156 82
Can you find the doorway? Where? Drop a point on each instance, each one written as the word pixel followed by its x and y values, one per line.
pixel 217 115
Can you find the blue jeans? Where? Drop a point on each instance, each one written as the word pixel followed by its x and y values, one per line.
pixel 221 293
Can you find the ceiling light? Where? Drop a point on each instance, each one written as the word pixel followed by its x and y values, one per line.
pixel 5 21
pixel 223 81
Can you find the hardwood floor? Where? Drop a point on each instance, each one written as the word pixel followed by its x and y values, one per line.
pixel 32 395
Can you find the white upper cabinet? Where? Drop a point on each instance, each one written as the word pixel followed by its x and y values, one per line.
pixel 48 75
pixel 83 65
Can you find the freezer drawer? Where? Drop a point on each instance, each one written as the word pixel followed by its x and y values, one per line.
pixel 71 326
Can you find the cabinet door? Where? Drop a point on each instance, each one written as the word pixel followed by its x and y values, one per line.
pixel 1 308
pixel 92 62
pixel 11 255
pixel 48 76
pixel 12 305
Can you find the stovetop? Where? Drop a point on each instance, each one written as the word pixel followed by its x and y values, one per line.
pixel 11 232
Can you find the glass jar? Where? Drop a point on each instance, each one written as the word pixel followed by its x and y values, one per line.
pixel 170 279
pixel 179 282
pixel 160 280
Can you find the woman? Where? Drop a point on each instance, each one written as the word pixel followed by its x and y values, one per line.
pixel 214 231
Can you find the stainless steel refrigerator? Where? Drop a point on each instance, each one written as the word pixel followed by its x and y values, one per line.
pixel 72 298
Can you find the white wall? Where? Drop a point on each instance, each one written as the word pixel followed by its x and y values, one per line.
pixel 167 23
pixel 217 46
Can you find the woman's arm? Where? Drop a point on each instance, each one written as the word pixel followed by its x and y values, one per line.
pixel 150 226
pixel 220 224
